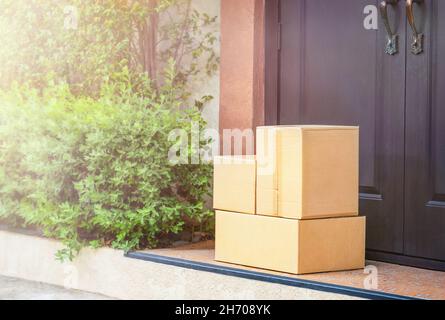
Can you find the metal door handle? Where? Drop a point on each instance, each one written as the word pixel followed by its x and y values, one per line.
pixel 392 45
pixel 417 44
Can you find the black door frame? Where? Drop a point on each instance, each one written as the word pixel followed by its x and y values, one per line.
pixel 272 85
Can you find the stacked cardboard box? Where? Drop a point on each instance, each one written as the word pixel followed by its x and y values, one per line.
pixel 234 183
pixel 294 207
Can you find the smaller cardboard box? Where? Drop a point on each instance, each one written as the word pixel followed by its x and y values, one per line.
pixel 234 183
pixel 288 245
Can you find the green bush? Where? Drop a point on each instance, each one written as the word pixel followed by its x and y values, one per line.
pixel 96 171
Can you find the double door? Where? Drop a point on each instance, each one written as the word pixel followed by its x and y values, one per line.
pixel 332 62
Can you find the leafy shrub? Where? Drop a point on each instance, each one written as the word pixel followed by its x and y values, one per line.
pixel 95 171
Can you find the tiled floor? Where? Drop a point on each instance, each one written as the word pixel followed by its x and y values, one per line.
pixel 395 279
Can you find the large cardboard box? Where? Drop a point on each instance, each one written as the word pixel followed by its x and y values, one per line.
pixel 317 170
pixel 288 245
pixel 234 183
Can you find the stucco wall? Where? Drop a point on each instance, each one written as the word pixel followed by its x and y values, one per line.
pixel 108 272
pixel 210 86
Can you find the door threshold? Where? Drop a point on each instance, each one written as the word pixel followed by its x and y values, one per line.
pixel 433 265
pixel 266 277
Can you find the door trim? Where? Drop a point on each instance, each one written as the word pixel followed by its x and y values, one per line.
pixel 405 260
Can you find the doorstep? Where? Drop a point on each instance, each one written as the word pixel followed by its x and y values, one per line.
pixel 106 271
pixel 394 281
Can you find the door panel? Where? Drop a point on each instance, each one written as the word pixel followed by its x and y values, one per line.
pixel 425 138
pixel 334 71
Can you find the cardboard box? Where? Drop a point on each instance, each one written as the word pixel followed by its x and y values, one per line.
pixel 267 202
pixel 317 171
pixel 288 245
pixel 266 155
pixel 234 183
pixel 267 175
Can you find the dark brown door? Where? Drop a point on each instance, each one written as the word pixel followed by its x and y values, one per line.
pixel 425 137
pixel 325 67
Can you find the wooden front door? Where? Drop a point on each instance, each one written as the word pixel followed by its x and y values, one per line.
pixel 325 67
